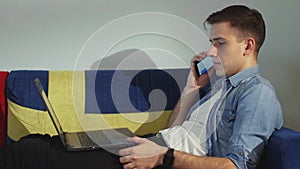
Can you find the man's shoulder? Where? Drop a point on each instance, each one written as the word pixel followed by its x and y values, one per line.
pixel 254 86
pixel 259 81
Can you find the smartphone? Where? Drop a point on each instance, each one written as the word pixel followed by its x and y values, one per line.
pixel 204 65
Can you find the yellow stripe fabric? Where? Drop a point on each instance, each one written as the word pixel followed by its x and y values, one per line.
pixel 23 121
pixel 66 93
pixel 140 123
pixel 60 91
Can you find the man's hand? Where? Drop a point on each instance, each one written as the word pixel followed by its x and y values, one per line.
pixel 145 155
pixel 188 95
pixel 194 81
pixel 148 155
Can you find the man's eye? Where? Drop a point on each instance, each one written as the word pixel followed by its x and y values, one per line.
pixel 218 44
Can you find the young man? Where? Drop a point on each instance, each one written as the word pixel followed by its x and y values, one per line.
pixel 238 126
pixel 237 132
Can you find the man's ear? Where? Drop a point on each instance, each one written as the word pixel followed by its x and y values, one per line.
pixel 249 46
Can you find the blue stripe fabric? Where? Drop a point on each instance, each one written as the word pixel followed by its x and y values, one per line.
pixel 104 88
pixel 107 91
pixel 148 80
pixel 21 88
pixel 121 91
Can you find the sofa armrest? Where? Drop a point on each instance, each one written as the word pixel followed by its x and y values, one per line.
pixel 3 108
pixel 283 150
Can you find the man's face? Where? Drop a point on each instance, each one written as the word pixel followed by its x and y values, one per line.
pixel 226 50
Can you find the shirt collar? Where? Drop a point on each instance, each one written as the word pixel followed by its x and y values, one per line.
pixel 236 79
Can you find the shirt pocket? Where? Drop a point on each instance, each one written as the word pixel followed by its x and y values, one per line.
pixel 228 118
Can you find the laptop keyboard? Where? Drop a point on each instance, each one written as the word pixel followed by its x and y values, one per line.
pixel 87 139
pixel 100 136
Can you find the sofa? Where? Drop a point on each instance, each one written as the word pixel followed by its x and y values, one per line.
pixel 141 100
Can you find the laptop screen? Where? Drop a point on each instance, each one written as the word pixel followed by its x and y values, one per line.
pixel 53 117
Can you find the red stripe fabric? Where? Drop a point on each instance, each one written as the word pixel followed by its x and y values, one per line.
pixel 3 108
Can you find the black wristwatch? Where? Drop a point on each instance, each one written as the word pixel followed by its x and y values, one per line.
pixel 169 158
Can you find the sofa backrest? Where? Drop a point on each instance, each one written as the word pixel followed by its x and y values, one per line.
pixel 141 100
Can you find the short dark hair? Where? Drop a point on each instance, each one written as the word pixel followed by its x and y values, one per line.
pixel 249 22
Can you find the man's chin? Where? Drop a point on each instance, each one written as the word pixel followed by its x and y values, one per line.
pixel 220 73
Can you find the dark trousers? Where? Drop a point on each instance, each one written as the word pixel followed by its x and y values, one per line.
pixel 45 152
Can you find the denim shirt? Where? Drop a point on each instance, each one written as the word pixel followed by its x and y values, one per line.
pixel 246 117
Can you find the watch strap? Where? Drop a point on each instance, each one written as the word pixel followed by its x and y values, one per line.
pixel 169 158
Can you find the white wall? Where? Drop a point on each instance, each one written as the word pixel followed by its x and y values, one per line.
pixel 62 35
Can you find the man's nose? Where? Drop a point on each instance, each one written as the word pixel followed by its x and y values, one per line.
pixel 212 51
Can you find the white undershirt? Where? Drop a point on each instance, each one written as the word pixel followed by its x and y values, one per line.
pixel 190 137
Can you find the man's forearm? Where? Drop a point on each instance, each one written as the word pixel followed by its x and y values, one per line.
pixel 181 109
pixel 183 160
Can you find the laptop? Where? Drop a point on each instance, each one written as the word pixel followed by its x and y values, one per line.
pixel 108 139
